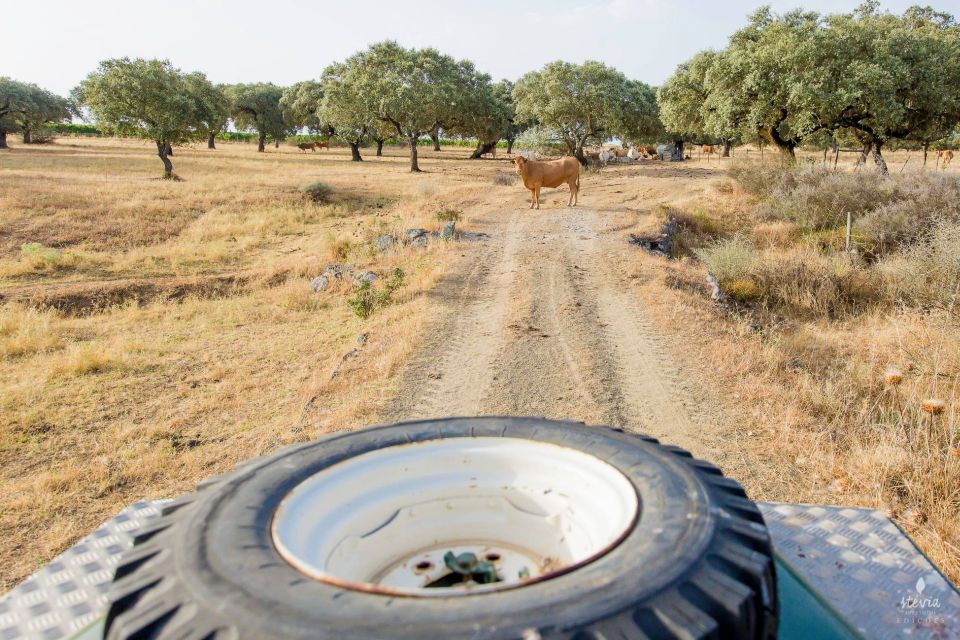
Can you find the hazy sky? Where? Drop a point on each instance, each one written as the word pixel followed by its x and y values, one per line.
pixel 57 42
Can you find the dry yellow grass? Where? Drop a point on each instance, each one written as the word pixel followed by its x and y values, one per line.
pixel 145 396
pixel 163 384
pixel 859 409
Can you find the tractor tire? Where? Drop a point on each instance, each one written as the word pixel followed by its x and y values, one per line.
pixel 694 559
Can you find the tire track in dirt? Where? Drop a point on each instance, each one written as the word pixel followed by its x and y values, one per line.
pixel 450 374
pixel 542 324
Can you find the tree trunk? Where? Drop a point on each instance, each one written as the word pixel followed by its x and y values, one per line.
pixel 726 149
pixel 412 139
pixel 276 143
pixel 435 136
pixel 878 158
pixel 786 147
pixel 355 152
pixel 677 150
pixel 169 149
pixel 926 147
pixel 509 146
pixel 163 152
pixel 379 142
pixel 3 139
pixel 26 136
pixel 482 148
pixel 261 142
pixel 867 146
pixel 211 141
pixel 578 154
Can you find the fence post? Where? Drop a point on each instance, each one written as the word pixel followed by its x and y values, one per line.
pixel 849 229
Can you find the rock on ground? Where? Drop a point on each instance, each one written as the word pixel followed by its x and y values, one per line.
pixel 365 276
pixel 319 283
pixel 448 231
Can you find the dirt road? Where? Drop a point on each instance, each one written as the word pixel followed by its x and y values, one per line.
pixel 538 320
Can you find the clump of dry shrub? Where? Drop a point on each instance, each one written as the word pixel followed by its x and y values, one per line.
pixel 818 199
pixel 694 229
pixel 317 192
pixel 906 230
pixel 760 179
pixel 729 259
pixel 865 343
pixel 24 331
pixel 923 200
pixel 801 281
pixel 927 274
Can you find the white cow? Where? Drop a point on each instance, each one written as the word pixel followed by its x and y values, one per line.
pixel 606 156
pixel 633 154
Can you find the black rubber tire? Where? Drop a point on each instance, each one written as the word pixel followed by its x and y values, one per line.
pixel 697 564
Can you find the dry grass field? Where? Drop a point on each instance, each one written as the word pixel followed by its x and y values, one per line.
pixel 189 338
pixel 153 332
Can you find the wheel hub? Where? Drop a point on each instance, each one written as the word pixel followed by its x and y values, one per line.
pixel 389 520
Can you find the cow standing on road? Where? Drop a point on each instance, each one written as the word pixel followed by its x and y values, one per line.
pixel 552 173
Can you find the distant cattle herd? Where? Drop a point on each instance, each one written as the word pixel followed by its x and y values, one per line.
pixel 313 146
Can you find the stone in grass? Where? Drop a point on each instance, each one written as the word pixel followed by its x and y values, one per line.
pixel 420 241
pixel 320 283
pixel 365 276
pixel 448 231
pixel 413 234
pixel 337 270
pixel 384 242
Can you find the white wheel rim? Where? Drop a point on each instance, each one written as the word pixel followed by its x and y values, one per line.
pixel 383 521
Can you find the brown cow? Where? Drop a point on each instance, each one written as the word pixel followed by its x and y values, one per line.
pixel 944 157
pixel 308 145
pixel 324 145
pixel 552 173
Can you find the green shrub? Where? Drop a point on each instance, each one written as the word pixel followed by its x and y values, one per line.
pixel 318 192
pixel 367 298
pixel 743 290
pixel 40 257
pixel 237 136
pixel 729 259
pixel 73 129
pixel 449 214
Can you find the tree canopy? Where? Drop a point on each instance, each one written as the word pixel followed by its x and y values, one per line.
pixel 146 98
pixel 415 91
pixel 301 105
pixel 584 102
pixel 257 107
pixel 490 115
pixel 869 73
pixel 26 108
pixel 211 104
pixel 349 116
